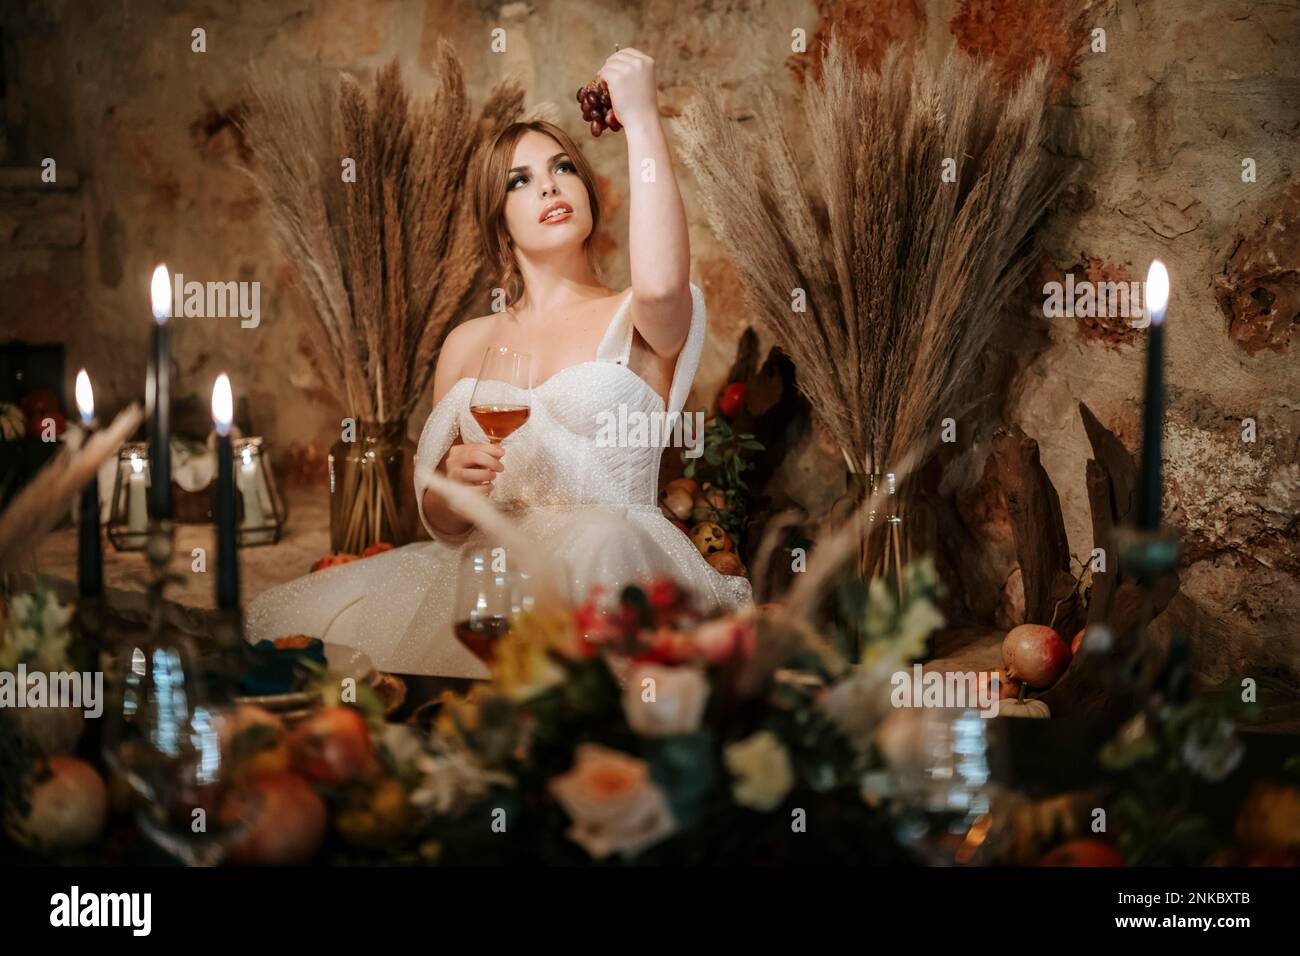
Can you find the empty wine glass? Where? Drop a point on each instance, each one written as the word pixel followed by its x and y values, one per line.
pixel 502 395
pixel 490 591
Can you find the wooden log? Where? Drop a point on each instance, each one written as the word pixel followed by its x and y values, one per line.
pixel 1037 526
pixel 1095 687
pixel 1117 463
pixel 1103 525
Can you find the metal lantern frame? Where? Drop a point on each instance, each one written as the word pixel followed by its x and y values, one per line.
pixel 133 460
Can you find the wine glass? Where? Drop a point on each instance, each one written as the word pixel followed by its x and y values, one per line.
pixel 490 591
pixel 502 394
pixel 166 736
pixel 950 808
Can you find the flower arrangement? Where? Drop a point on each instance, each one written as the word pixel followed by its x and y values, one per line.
pixel 34 631
pixel 637 729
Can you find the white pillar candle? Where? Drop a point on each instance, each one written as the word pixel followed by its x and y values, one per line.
pixel 136 501
pixel 250 483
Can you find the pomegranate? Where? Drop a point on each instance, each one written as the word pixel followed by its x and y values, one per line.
pixel 1083 852
pixel 679 502
pixel 725 562
pixel 68 806
pixel 332 746
pixel 288 820
pixel 1035 654
pixel 686 485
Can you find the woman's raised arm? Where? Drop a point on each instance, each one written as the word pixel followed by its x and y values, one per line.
pixel 658 243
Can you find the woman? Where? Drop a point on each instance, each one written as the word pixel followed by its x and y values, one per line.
pixel 590 502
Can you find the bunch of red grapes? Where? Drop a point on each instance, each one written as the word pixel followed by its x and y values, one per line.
pixel 597 108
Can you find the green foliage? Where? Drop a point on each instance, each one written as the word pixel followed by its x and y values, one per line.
pixel 1168 764
pixel 727 455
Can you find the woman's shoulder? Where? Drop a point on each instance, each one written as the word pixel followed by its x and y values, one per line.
pixel 459 350
pixel 466 337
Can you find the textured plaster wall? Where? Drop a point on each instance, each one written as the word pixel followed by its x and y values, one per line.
pixel 150 166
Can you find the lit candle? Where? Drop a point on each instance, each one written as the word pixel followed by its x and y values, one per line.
pixel 159 400
pixel 250 490
pixel 1153 406
pixel 136 505
pixel 223 407
pixel 90 569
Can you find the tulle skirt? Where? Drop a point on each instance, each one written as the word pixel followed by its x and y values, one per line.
pixel 398 607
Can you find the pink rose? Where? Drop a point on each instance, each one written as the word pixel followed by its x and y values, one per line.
pixel 614 805
pixel 718 640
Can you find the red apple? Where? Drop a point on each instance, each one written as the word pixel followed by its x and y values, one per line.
pixel 1035 654
pixel 288 820
pixel 332 746
pixel 1083 852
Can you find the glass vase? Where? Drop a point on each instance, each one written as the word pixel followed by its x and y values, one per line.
pixel 371 488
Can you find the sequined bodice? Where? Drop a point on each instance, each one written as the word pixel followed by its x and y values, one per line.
pixel 572 451
pixel 596 430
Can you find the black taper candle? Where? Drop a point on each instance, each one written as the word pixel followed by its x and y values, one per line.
pixel 90 559
pixel 160 458
pixel 227 553
pixel 1153 402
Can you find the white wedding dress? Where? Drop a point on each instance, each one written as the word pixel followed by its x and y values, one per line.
pixel 592 508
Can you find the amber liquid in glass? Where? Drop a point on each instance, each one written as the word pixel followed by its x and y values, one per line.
pixel 481 636
pixel 498 421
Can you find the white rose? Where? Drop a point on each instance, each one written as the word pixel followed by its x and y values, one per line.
pixel 673 704
pixel 614 805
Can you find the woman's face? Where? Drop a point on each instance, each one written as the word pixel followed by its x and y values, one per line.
pixel 541 176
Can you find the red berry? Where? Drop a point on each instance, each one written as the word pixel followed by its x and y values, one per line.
pixel 732 399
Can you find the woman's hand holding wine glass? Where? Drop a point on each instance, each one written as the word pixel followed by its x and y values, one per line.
pixel 500 404
pixel 476 464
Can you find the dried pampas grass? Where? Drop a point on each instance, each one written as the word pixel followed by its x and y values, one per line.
pixel 389 262
pixel 904 274
pixel 46 499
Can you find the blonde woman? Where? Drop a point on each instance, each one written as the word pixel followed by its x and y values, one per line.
pixel 594 352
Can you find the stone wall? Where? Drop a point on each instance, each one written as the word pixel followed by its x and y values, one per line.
pixel 142 127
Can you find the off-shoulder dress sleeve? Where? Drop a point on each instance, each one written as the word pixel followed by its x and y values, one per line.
pixel 440 430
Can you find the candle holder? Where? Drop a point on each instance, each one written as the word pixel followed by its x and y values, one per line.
pixel 1146 555
pixel 261 509
pixel 128 513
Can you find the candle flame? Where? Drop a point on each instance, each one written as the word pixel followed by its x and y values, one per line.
pixel 223 404
pixel 1157 291
pixel 160 290
pixel 85 397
